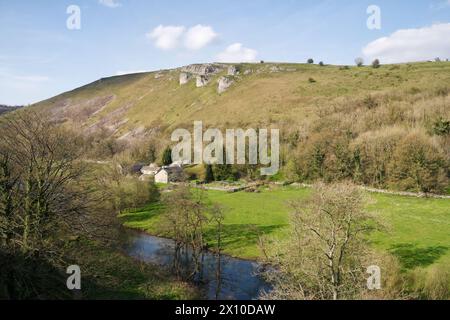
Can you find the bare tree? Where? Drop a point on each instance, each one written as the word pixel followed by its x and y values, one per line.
pixel 184 221
pixel 43 195
pixel 324 256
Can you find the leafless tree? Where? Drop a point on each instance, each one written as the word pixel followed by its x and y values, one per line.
pixel 324 256
pixel 184 220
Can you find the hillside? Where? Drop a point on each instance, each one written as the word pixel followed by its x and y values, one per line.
pixel 385 127
pixel 5 109
pixel 275 93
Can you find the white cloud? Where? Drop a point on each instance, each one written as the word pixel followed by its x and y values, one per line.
pixel 171 37
pixel 110 3
pixel 408 45
pixel 199 36
pixel 167 37
pixel 237 53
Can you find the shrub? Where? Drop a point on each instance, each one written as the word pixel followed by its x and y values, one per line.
pixel 370 102
pixel 418 164
pixel 321 63
pixel 310 61
pixel 359 62
pixel 441 127
pixel 376 64
pixel 372 155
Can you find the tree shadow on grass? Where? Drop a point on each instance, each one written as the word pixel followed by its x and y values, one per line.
pixel 149 212
pixel 411 256
pixel 236 236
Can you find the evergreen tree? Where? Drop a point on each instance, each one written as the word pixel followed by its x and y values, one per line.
pixel 167 157
pixel 209 174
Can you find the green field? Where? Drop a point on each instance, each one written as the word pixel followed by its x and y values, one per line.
pixel 418 230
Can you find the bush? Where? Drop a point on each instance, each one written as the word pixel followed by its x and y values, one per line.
pixel 359 62
pixel 321 63
pixel 418 164
pixel 370 102
pixel 441 127
pixel 310 61
pixel 376 64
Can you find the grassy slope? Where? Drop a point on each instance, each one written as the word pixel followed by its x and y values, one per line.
pixel 262 97
pixel 418 234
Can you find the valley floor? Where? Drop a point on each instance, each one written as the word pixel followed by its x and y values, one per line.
pixel 418 231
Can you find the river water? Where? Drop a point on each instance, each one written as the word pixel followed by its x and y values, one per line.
pixel 222 277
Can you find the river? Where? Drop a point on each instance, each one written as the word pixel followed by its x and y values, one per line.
pixel 222 278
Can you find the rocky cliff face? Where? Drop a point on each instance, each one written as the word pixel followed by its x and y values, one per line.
pixel 232 70
pixel 185 77
pixel 202 81
pixel 202 69
pixel 202 73
pixel 224 84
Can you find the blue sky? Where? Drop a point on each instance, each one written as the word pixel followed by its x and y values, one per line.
pixel 40 57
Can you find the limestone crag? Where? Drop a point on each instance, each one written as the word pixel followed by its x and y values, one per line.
pixel 202 72
pixel 185 77
pixel 202 81
pixel 232 71
pixel 202 69
pixel 224 84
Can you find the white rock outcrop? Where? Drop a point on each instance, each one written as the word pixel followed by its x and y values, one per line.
pixel 185 77
pixel 224 84
pixel 202 69
pixel 232 71
pixel 202 73
pixel 202 81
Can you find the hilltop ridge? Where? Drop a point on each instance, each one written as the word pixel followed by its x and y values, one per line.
pixel 269 93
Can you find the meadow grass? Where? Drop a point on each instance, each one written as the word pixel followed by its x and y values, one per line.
pixel 417 232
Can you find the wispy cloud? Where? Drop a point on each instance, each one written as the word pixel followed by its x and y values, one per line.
pixel 408 45
pixel 442 4
pixel 237 53
pixel 110 3
pixel 172 37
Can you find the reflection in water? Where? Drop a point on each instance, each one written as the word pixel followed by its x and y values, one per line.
pixel 223 277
